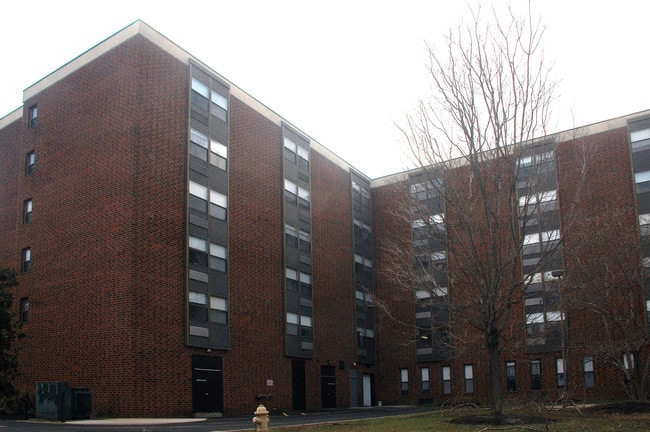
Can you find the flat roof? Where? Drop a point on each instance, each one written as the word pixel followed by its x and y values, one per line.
pixel 139 27
pixel 563 136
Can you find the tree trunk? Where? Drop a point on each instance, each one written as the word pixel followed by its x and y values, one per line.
pixel 495 373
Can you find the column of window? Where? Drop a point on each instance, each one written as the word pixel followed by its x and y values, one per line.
pixel 430 269
pixel 298 299
pixel 640 148
pixel 207 206
pixel 363 269
pixel 539 218
pixel 26 253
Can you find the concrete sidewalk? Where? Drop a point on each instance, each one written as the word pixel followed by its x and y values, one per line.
pixel 134 421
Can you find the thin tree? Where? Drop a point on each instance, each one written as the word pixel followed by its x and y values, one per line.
pixel 8 335
pixel 473 141
pixel 606 289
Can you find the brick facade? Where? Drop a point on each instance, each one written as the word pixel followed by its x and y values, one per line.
pixel 107 283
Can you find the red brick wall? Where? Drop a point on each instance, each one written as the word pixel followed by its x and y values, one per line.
pixel 606 192
pixel 333 277
pixel 602 218
pixel 396 313
pixel 255 263
pixel 107 232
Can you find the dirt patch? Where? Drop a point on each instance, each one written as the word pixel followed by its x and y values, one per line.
pixel 628 407
pixel 506 420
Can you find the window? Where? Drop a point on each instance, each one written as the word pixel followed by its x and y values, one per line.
pixel 642 180
pixel 218 310
pixel 218 257
pixel 640 140
pixel 27 210
pixel 198 306
pixel 305 242
pixel 290 149
pixel 640 135
pixel 290 192
pixel 469 379
pixel 218 154
pixel 33 114
pixel 290 235
pixel 303 198
pixel 198 144
pixel 218 205
pixel 544 237
pixel 303 153
pixel 30 160
pixel 628 365
pixel 511 378
pixel 24 310
pixel 559 369
pixel 446 380
pixel 588 368
pixel 424 377
pixel 198 249
pixel 198 197
pixel 535 375
pixel 404 381
pixel 219 106
pixel 200 94
pixel 26 260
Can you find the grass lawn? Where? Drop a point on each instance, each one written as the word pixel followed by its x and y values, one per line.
pixel 563 421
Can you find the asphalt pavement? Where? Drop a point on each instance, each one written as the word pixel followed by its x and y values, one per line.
pixel 224 424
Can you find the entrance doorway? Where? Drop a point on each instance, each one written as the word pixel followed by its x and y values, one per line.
pixel 328 386
pixel 354 391
pixel 367 389
pixel 207 384
pixel 298 384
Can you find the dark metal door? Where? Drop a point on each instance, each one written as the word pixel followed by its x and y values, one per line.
pixel 328 386
pixel 207 384
pixel 298 384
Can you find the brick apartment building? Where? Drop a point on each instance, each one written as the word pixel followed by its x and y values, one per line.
pixel 183 249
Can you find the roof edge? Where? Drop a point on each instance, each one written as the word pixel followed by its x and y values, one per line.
pixel 559 137
pixel 141 28
pixel 13 116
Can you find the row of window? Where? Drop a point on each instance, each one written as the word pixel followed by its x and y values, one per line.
pixel 511 377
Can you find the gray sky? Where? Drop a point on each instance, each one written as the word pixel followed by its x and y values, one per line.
pixel 344 72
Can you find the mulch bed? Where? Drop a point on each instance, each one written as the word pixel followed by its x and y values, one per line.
pixel 506 420
pixel 628 407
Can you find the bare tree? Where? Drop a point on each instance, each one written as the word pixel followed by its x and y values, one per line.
pixel 605 287
pixel 476 143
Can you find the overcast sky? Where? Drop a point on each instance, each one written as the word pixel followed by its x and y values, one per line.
pixel 344 72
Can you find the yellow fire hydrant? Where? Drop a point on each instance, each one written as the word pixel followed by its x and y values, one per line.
pixel 261 419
